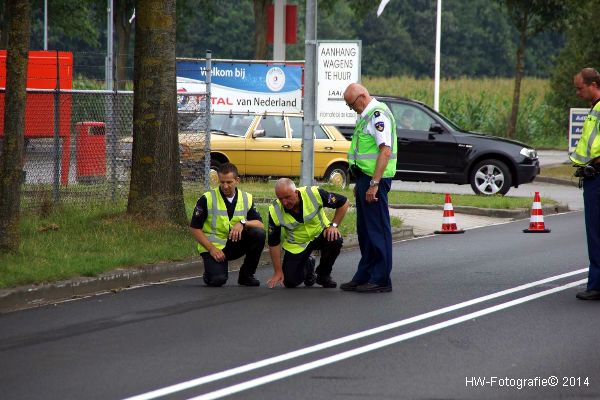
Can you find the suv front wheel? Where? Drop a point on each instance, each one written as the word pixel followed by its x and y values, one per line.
pixel 490 177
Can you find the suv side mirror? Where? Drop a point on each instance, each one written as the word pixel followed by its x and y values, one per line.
pixel 436 128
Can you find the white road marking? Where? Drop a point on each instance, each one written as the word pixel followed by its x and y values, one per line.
pixel 377 345
pixel 335 342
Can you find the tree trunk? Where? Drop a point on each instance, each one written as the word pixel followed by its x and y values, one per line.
pixel 155 190
pixel 519 71
pixel 260 30
pixel 123 11
pixel 11 161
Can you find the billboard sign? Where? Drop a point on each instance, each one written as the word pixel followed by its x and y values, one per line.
pixel 242 86
pixel 577 117
pixel 338 65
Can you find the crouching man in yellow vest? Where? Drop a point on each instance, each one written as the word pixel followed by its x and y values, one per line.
pixel 299 211
pixel 227 226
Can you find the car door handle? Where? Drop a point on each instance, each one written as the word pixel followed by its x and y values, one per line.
pixel 285 146
pixel 328 148
pixel 404 141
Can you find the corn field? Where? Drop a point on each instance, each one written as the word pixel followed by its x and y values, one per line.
pixel 484 105
pixel 481 105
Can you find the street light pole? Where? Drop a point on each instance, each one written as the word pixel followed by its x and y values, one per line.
pixel 438 40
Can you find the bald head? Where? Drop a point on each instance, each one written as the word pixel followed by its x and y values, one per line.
pixel 285 190
pixel 353 90
pixel 356 97
pixel 284 183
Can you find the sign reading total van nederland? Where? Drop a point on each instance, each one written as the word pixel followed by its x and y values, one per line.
pixel 241 86
pixel 338 65
pixel 577 117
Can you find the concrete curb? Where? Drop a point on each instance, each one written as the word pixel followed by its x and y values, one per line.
pixel 557 181
pixel 518 213
pixel 30 296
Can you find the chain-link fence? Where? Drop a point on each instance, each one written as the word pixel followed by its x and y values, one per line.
pixel 78 145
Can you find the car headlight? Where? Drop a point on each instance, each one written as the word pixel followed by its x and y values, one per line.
pixel 530 153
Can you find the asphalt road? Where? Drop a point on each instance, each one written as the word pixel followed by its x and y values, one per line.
pixel 471 316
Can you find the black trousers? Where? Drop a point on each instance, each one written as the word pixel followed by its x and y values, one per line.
pixel 297 266
pixel 251 245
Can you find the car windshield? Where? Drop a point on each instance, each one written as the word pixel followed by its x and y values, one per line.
pixel 223 124
pixel 452 124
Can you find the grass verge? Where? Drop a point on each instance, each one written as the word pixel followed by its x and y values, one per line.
pixel 562 171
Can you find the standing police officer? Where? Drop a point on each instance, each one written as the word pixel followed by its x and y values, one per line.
pixel 587 158
pixel 227 226
pixel 372 158
pixel 299 211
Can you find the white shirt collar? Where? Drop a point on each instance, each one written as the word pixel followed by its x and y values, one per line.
pixel 372 104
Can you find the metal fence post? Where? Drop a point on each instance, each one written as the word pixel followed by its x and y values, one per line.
pixel 112 143
pixel 56 135
pixel 207 160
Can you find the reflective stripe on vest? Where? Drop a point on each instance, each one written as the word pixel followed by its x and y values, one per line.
pixel 217 224
pixel 298 235
pixel 588 147
pixel 363 149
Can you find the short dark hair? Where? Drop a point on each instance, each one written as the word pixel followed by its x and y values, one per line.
pixel 227 168
pixel 589 76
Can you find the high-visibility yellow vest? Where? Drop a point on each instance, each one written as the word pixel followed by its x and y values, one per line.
pixel 588 146
pixel 295 235
pixel 217 224
pixel 364 151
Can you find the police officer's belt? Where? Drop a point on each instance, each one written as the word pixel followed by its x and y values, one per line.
pixel 587 171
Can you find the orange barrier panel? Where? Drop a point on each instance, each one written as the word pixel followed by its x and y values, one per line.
pixel 45 69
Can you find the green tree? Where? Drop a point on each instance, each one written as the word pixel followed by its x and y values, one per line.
pixel 260 29
pixel 580 51
pixel 530 18
pixel 11 162
pixel 155 190
pixel 123 9
pixel 66 19
pixel 474 39
pixel 208 25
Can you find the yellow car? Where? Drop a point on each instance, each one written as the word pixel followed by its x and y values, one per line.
pixel 266 145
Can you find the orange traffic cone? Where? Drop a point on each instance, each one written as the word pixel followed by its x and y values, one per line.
pixel 449 222
pixel 536 222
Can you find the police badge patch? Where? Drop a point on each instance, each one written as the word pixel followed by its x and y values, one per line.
pixel 379 126
pixel 331 199
pixel 376 114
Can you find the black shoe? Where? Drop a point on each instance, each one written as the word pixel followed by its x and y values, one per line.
pixel 326 282
pixel 589 295
pixel 248 281
pixel 311 277
pixel 349 286
pixel 373 288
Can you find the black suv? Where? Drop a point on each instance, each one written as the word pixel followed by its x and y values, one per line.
pixel 431 148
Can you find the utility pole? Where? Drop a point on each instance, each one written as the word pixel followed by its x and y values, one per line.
pixel 310 115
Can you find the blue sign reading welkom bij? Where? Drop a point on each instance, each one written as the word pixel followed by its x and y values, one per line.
pixel 243 86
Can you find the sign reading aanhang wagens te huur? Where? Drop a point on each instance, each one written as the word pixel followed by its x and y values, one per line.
pixel 241 86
